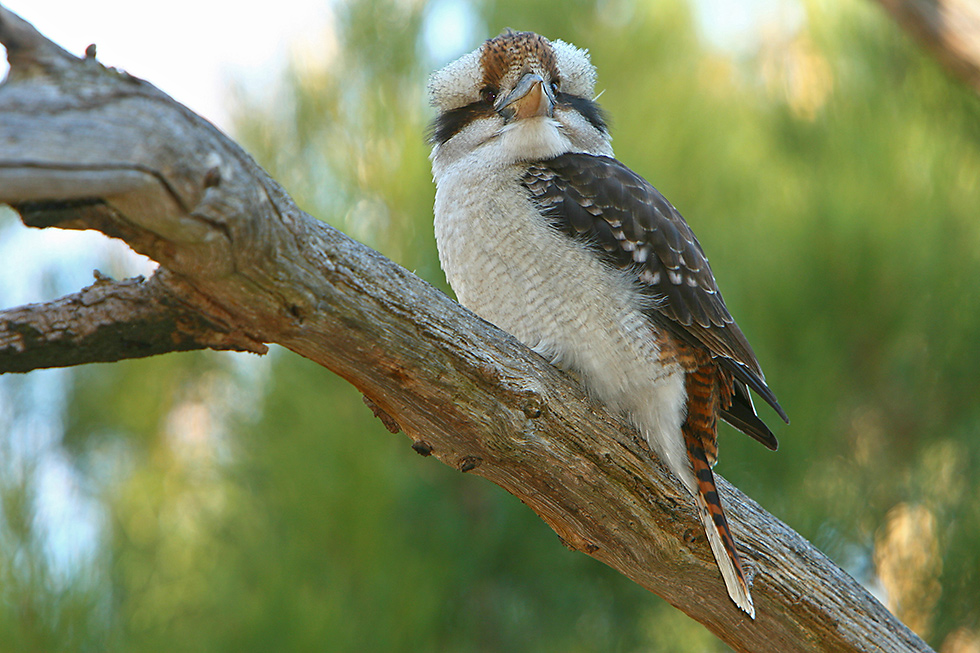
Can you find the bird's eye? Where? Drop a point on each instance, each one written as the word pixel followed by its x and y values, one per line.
pixel 555 85
pixel 488 94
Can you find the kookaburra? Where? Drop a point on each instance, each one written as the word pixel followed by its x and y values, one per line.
pixel 542 232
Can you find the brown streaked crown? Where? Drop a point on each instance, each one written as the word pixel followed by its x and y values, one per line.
pixel 512 54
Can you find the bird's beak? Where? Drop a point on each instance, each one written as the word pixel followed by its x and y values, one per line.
pixel 531 97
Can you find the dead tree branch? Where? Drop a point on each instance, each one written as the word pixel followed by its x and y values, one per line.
pixel 84 147
pixel 106 322
pixel 950 29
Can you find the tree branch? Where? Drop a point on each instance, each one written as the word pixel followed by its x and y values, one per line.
pixel 106 322
pixel 101 150
pixel 950 29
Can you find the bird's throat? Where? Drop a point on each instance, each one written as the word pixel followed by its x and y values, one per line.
pixel 533 139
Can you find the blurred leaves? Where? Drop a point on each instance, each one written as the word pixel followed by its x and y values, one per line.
pixel 832 173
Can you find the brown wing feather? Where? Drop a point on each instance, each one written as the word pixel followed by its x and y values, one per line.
pixel 632 226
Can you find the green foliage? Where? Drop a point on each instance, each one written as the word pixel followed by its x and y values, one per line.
pixel 833 176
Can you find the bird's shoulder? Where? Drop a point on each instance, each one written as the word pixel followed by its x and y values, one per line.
pixel 632 227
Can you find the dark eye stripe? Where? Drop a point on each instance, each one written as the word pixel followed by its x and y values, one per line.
pixel 589 109
pixel 449 123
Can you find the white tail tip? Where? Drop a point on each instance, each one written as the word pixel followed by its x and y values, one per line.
pixel 737 589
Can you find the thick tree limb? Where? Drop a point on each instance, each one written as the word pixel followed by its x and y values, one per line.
pixel 107 322
pixel 950 29
pixel 102 150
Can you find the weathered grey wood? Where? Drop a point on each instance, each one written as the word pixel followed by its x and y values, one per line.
pixel 950 29
pixel 124 159
pixel 107 322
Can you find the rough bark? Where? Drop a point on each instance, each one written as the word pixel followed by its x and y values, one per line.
pixel 106 322
pixel 88 148
pixel 950 29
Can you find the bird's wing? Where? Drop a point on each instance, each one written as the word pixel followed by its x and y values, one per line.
pixel 632 226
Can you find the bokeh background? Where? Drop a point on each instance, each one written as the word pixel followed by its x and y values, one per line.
pixel 219 502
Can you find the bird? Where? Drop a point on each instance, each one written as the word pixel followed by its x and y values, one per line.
pixel 543 232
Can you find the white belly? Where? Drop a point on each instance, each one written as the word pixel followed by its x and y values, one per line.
pixel 508 266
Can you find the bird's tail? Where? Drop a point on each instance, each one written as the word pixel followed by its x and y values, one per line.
pixel 700 428
pixel 719 535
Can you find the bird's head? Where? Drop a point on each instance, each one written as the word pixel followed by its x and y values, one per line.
pixel 518 97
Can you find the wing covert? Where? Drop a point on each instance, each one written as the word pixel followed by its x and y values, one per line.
pixel 632 226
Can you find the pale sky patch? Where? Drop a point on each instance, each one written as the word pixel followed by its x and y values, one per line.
pixel 188 48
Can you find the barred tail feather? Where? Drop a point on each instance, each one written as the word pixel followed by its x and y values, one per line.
pixel 709 391
pixel 718 532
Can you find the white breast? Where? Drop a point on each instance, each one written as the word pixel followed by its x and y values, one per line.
pixel 507 265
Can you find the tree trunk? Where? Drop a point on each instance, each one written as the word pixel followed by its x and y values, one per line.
pixel 84 147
